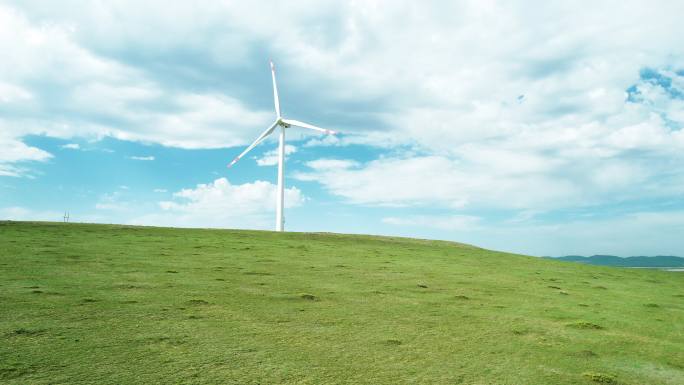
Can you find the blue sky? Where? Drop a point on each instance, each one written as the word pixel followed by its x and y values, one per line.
pixel 542 129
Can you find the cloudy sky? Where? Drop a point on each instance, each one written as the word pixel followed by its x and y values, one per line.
pixel 546 128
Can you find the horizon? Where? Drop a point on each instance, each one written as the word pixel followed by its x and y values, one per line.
pixel 69 221
pixel 545 130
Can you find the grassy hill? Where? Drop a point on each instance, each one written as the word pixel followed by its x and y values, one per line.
pixel 139 305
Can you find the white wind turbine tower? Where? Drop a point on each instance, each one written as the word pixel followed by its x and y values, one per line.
pixel 283 123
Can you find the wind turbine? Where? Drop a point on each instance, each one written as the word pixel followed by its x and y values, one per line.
pixel 283 124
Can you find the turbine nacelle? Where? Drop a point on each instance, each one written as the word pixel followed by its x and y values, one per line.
pixel 283 124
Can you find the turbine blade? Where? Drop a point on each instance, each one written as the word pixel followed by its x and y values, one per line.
pixel 275 91
pixel 309 126
pixel 256 142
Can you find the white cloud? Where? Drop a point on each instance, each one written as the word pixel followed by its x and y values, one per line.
pixel 442 222
pixel 200 121
pixel 7 170
pixel 160 190
pixel 100 96
pixel 113 201
pixel 16 151
pixel 13 151
pixel 493 179
pixel 393 182
pixel 150 157
pixel 18 213
pixel 332 164
pixel 572 65
pixel 378 139
pixel 10 93
pixel 270 158
pixel 222 204
pixel 71 146
pixel 328 140
pixel 435 180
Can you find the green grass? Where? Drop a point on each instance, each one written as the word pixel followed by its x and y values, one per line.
pixel 140 305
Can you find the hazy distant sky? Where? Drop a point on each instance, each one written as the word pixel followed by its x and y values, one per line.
pixel 545 128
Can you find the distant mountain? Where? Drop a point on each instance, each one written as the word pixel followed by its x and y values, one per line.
pixel 611 260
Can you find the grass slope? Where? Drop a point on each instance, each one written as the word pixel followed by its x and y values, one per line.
pixel 124 305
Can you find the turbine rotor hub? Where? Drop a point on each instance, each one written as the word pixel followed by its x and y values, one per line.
pixel 282 124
